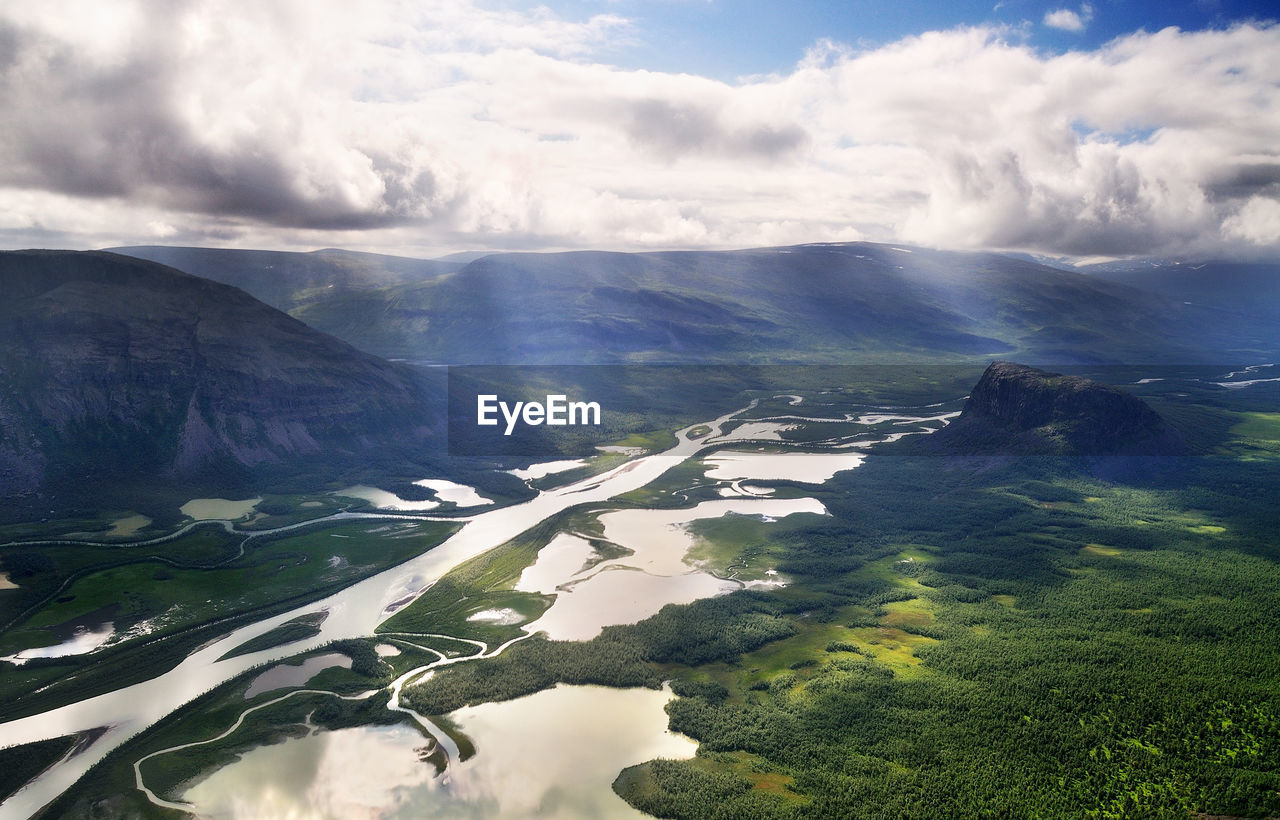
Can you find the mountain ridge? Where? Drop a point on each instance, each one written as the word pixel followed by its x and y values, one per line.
pixel 820 302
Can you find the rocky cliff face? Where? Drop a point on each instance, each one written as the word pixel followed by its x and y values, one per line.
pixel 112 365
pixel 1019 410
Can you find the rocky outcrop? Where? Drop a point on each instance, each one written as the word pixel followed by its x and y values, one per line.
pixel 111 365
pixel 1019 410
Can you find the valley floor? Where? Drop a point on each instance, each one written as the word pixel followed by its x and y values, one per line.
pixel 956 637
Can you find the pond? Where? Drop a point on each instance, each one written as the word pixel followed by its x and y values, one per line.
pixel 85 639
pixel 809 468
pixel 209 509
pixel 384 500
pixel 535 471
pixel 460 495
pixel 283 674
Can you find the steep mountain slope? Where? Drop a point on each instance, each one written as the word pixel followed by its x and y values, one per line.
pixel 111 365
pixel 853 302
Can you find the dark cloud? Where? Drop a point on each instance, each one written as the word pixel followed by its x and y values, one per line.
pixel 771 141
pixel 673 129
pixel 1244 181
pixel 9 42
pixel 75 126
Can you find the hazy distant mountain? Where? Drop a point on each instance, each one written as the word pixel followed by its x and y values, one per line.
pixel 114 365
pixel 854 302
pixel 839 302
pixel 834 303
pixel 1245 289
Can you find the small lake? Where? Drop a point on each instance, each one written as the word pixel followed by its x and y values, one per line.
pixel 206 509
pixel 553 754
pixel 458 494
pixel 127 526
pixel 283 674
pixel 756 431
pixel 384 500
pixel 809 468
pixel 660 540
pixel 736 489
pixel 84 640
pixel 564 557
pixel 631 588
pixel 621 595
pixel 536 471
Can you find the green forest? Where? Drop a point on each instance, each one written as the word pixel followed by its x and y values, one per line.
pixel 965 637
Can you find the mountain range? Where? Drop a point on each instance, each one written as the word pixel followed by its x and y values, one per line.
pixel 1236 291
pixel 832 303
pixel 113 364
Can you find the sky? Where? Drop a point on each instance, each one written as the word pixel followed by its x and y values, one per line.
pixel 1078 131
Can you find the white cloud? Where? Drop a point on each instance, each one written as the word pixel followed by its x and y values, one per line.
pixel 1069 20
pixel 415 127
pixel 1064 19
pixel 1258 222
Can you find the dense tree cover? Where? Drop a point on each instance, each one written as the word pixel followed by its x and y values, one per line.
pixel 364 658
pixel 1083 648
pixel 298 629
pixel 715 629
pixel 1102 650
pixel 666 788
pixel 18 764
pixel 528 667
pixel 22 565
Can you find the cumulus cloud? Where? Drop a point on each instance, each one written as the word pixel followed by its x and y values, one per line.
pixel 1068 20
pixel 415 128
